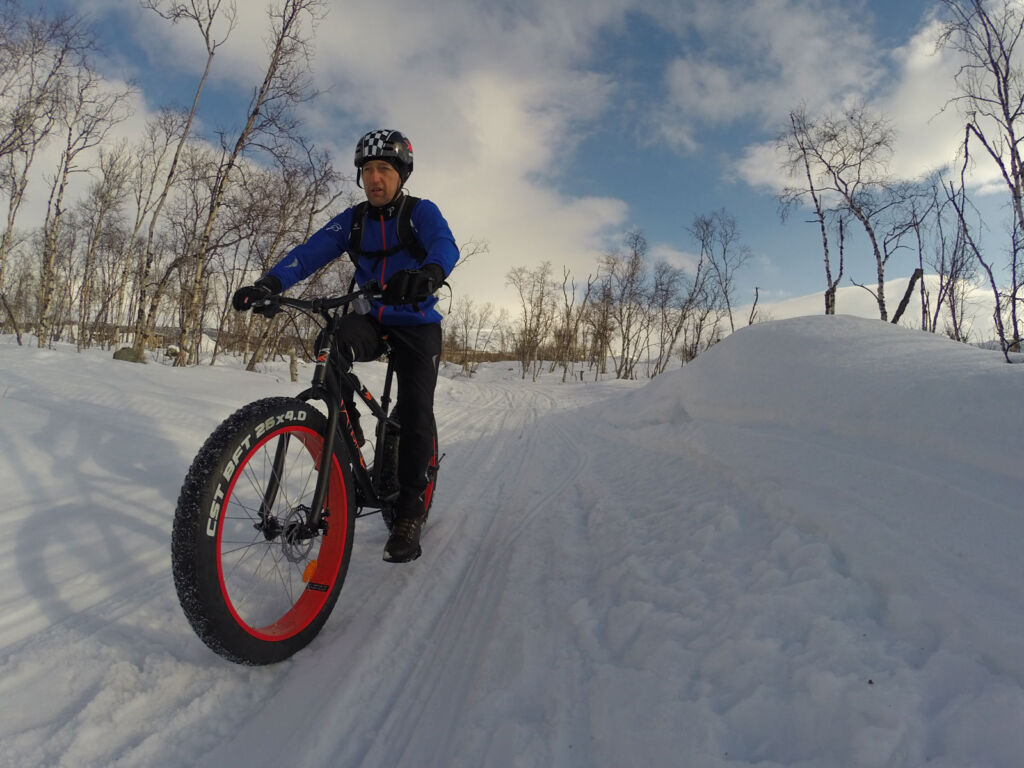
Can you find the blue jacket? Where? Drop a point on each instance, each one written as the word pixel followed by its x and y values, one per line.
pixel 380 233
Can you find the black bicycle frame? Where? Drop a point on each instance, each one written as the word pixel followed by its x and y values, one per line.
pixel 328 380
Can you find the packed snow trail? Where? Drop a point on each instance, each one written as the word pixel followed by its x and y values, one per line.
pixel 778 556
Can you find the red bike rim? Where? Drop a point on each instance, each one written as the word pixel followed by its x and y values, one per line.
pixel 328 558
pixel 428 492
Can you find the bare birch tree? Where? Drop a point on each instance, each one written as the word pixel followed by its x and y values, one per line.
pixel 947 257
pixel 99 209
pixel 625 273
pixel 960 204
pixel 601 327
pixel 281 213
pixel 537 309
pixel 471 332
pixel 797 143
pixel 87 113
pixel 146 188
pixel 567 332
pixel 986 34
pixel 205 15
pixel 285 83
pixel 667 291
pixel 847 155
pixel 36 51
pixel 722 253
pixel 36 54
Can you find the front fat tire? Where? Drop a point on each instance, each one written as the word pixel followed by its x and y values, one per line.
pixel 250 599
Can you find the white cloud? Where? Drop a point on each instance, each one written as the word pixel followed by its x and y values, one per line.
pixel 683 260
pixel 916 99
pixel 753 61
pixel 928 127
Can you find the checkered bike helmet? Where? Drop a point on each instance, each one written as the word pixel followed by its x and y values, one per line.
pixel 390 146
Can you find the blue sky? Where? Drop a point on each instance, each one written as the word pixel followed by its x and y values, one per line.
pixel 551 128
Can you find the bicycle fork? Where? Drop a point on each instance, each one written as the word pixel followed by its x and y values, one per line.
pixel 323 477
pixel 268 524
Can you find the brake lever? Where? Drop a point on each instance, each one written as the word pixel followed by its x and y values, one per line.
pixel 372 291
pixel 267 307
pixel 361 305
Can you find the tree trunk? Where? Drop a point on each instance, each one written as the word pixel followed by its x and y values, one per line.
pixel 918 274
pixel 47 276
pixel 14 320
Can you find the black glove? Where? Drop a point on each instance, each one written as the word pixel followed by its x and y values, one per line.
pixel 411 286
pixel 248 295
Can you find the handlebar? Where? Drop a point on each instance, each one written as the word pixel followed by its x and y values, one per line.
pixel 321 306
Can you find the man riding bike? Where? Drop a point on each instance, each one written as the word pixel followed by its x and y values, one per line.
pixel 404 244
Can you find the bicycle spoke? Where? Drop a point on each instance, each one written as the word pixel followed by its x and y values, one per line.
pixel 243 597
pixel 304 490
pixel 243 545
pixel 280 575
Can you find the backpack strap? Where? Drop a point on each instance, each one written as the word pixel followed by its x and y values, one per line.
pixel 355 233
pixel 407 232
pixel 407 238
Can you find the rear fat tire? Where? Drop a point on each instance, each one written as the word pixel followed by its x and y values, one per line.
pixel 428 492
pixel 253 600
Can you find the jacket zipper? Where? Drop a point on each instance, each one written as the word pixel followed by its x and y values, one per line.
pixel 384 247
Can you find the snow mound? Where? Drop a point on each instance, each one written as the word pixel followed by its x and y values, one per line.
pixel 900 389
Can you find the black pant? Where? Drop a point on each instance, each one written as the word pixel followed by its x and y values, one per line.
pixel 415 352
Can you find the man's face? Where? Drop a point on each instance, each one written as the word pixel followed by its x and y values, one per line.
pixel 380 182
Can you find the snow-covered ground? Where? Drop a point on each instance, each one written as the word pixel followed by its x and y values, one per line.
pixel 804 549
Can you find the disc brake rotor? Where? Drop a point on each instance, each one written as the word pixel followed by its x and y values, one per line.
pixel 295 543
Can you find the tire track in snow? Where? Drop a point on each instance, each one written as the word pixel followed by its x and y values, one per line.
pixel 461 637
pixel 393 626
pixel 490 508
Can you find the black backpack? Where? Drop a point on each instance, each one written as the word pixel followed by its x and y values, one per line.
pixel 406 233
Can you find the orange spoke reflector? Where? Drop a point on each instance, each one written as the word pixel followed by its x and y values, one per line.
pixel 309 573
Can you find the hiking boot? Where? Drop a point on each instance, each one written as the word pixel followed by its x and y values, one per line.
pixel 404 543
